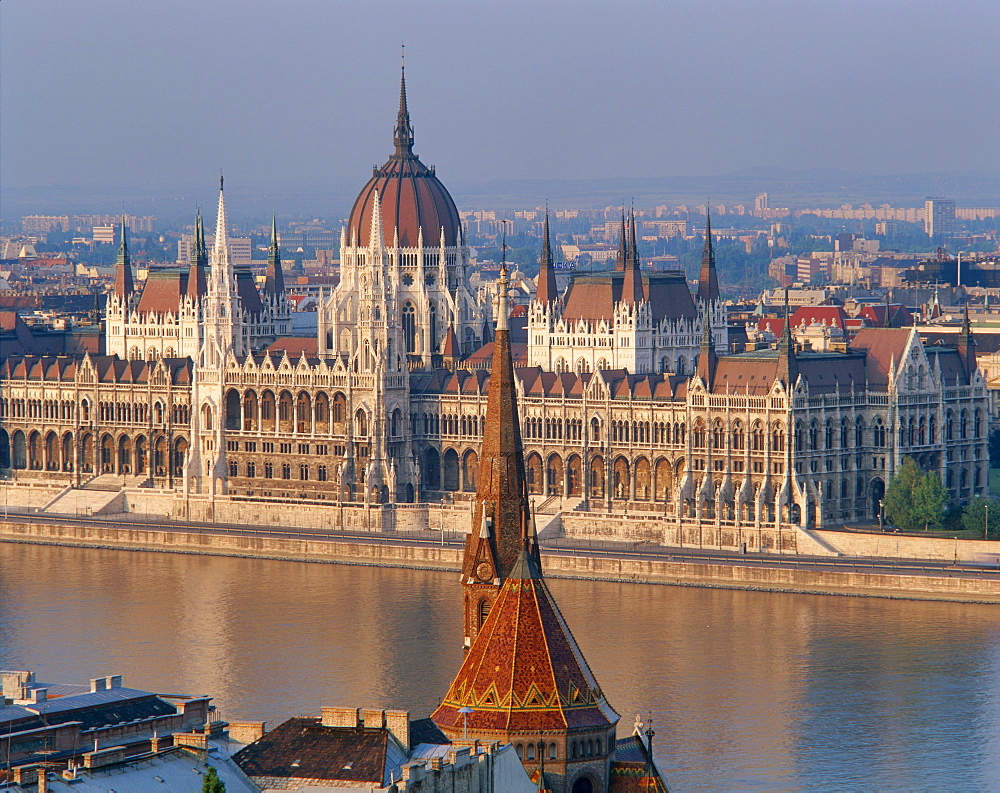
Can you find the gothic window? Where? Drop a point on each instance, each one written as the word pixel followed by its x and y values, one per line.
pixel 269 470
pixel 595 430
pixel 813 436
pixel 859 433
pixel 251 469
pixel 234 469
pixel 286 471
pixel 361 423
pixel 778 438
pixel 304 472
pixel 321 473
pixel 433 327
pixel 737 435
pixel 409 327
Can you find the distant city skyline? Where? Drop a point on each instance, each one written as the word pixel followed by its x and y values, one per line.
pixel 159 95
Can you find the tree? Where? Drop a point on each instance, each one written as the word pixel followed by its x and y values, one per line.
pixel 982 513
pixel 930 500
pixel 915 500
pixel 211 782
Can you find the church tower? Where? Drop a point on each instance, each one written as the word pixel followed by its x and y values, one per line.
pixel 523 679
pixel 502 527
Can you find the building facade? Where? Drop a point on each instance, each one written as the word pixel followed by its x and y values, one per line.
pixel 631 402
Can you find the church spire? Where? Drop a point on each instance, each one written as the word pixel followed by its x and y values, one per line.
pixel 708 280
pixel 124 286
pixel 197 282
pixel 403 133
pixel 501 523
pixel 632 285
pixel 546 291
pixel 274 282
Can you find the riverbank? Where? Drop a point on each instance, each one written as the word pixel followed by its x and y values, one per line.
pixel 852 577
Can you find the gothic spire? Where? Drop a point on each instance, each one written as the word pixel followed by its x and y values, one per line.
pixel 787 367
pixel 501 523
pixel 124 286
pixel 274 282
pixel 403 133
pixel 708 280
pixel 546 291
pixel 197 283
pixel 632 284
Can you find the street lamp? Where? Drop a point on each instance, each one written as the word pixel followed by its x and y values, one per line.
pixel 465 711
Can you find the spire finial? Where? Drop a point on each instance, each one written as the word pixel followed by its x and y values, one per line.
pixel 222 181
pixel 403 134
pixel 546 289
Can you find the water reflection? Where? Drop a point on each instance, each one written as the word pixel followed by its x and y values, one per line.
pixel 747 691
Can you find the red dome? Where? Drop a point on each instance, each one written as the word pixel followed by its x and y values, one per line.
pixel 411 195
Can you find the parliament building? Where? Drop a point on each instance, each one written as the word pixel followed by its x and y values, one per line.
pixel 631 401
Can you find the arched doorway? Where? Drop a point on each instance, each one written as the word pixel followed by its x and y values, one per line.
pixel 450 461
pixel 431 472
pixel 583 785
pixel 878 493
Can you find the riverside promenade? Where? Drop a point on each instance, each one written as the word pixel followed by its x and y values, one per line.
pixel 958 579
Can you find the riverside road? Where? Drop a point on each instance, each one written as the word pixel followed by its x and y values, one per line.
pixel 558 547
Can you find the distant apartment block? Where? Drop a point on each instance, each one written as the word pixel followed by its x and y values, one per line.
pixel 939 217
pixel 44 224
pixel 104 234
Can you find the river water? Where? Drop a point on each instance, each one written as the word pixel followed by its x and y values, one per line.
pixel 746 690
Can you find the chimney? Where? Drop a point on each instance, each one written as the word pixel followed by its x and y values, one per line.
pixel 340 717
pixel 98 684
pixel 43 780
pixel 373 719
pixel 114 681
pixel 398 723
pixel 39 694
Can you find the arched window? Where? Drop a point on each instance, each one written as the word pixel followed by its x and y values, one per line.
pixel 409 327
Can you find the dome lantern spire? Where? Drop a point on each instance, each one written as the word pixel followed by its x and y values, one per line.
pixel 403 133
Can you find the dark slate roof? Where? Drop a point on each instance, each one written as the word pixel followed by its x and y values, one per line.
pixel 99 708
pixel 302 748
pixel 426 731
pixel 592 296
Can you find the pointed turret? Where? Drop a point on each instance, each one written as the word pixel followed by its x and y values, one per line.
pixel 274 281
pixel 632 285
pixel 502 525
pixel 403 133
pixel 197 280
pixel 220 251
pixel 967 344
pixel 450 354
pixel 546 291
pixel 124 286
pixel 788 369
pixel 708 280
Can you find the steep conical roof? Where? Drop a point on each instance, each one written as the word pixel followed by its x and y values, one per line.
pixel 124 286
pixel 525 671
pixel 632 284
pixel 546 291
pixel 197 280
pixel 502 490
pixel 274 282
pixel 708 280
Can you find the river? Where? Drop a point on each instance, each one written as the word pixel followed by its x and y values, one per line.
pixel 746 690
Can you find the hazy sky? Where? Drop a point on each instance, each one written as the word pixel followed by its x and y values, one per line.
pixel 161 93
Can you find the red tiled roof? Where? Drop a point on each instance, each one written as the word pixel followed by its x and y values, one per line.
pixel 882 345
pixel 524 672
pixel 295 346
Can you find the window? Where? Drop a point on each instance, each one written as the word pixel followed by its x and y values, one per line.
pixel 304 472
pixel 251 469
pixel 268 447
pixel 234 469
pixel 286 471
pixel 321 473
pixel 269 470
